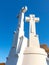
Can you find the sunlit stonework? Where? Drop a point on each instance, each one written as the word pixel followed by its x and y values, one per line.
pixel 26 51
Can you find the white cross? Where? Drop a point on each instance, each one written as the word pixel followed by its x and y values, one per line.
pixel 32 19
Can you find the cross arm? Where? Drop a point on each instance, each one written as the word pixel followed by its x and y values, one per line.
pixel 36 19
pixel 27 19
pixel 24 9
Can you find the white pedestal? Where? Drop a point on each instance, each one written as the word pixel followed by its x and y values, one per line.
pixel 34 56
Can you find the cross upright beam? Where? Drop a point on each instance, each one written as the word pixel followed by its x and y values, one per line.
pixel 32 19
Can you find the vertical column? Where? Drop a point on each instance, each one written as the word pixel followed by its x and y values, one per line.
pixel 33 41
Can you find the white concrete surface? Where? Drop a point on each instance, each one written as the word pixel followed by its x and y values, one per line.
pixel 19 39
pixel 33 54
pixel 26 51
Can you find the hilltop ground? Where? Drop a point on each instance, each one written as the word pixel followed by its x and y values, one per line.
pixel 2 63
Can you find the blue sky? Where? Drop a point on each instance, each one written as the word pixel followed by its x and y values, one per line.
pixel 9 9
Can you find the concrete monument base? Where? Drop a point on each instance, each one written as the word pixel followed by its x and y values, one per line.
pixel 34 56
